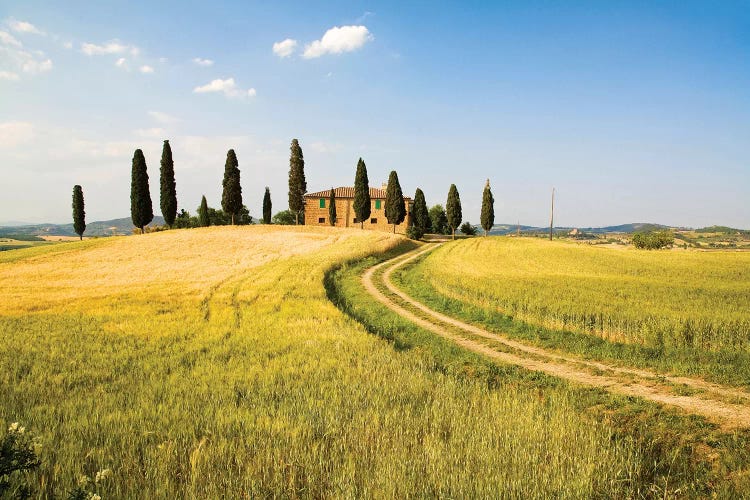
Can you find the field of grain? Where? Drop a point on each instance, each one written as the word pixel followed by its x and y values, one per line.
pixel 660 299
pixel 207 363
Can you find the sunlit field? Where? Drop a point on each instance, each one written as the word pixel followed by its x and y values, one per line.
pixel 652 298
pixel 207 363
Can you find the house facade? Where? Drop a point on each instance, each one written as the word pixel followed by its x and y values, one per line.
pixel 316 210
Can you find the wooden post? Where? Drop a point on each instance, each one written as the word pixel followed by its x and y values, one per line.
pixel 552 215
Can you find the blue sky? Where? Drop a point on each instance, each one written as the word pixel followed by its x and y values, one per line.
pixel 633 111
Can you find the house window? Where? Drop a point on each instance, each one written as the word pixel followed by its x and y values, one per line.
pixel 322 203
pixel 373 221
pixel 377 204
pixel 355 220
pixel 321 220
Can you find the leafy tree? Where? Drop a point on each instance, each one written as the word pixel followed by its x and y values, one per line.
pixel 414 232
pixel 332 208
pixel 297 183
pixel 141 210
pixel 184 220
pixel 453 210
pixel 231 198
pixel 286 218
pixel 79 215
pixel 438 220
pixel 653 240
pixel 362 201
pixel 395 208
pixel 203 218
pixel 267 206
pixel 487 218
pixel 468 229
pixel 168 191
pixel 420 214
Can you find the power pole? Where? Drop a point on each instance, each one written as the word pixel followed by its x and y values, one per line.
pixel 552 215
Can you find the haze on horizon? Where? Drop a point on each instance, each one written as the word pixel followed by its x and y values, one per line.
pixel 633 111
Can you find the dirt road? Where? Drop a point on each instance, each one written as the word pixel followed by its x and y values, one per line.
pixel 726 406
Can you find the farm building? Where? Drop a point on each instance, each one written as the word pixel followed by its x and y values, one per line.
pixel 316 210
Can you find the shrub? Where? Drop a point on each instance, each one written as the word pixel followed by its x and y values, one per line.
pixel 414 232
pixel 16 456
pixel 653 240
pixel 468 229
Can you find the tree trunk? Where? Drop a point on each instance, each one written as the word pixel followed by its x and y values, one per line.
pixel 453 232
pixel 233 219
pixel 296 218
pixel 394 229
pixel 80 236
pixel 142 230
pixel 485 233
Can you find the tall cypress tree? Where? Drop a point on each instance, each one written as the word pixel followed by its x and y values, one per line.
pixel 203 219
pixel 362 201
pixel 79 214
pixel 420 214
pixel 141 210
pixel 231 197
pixel 487 217
pixel 297 183
pixel 168 191
pixel 395 209
pixel 332 208
pixel 453 209
pixel 267 206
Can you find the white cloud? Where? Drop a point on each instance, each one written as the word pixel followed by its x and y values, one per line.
pixel 8 39
pixel 68 45
pixel 15 133
pixel 324 148
pixel 284 48
pixel 338 40
pixel 122 63
pixel 203 62
pixel 150 133
pixel 146 69
pixel 24 27
pixel 162 117
pixel 228 87
pixel 8 75
pixel 33 66
pixel 111 47
pixel 163 60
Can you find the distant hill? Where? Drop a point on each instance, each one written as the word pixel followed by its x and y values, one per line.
pixel 622 228
pixel 98 228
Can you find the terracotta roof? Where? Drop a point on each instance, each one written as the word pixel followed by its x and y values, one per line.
pixel 348 192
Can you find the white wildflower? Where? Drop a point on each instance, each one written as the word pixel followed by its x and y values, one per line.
pixel 13 427
pixel 102 475
pixel 94 496
pixel 83 481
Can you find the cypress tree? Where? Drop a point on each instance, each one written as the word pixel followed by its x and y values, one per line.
pixel 361 202
pixel 420 214
pixel 203 218
pixel 267 206
pixel 168 191
pixel 487 217
pixel 332 208
pixel 231 198
pixel 79 215
pixel 297 183
pixel 453 209
pixel 395 209
pixel 141 210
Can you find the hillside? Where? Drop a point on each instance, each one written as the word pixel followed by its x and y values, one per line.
pixel 112 227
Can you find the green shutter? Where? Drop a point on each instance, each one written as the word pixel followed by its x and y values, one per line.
pixel 322 203
pixel 377 204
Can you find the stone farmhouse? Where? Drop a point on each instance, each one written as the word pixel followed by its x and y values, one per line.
pixel 316 210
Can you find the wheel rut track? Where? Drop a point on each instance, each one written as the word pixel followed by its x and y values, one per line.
pixel 644 384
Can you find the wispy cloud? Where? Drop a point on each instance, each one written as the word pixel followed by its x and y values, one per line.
pixel 146 69
pixel 24 27
pixel 34 66
pixel 285 48
pixel 228 87
pixel 122 63
pixel 111 47
pixel 9 40
pixel 150 133
pixel 161 117
pixel 326 148
pixel 15 133
pixel 203 62
pixel 30 62
pixel 9 75
pixel 338 40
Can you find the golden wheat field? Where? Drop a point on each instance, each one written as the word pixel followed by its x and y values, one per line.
pixel 653 298
pixel 209 363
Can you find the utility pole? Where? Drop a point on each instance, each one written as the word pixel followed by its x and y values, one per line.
pixel 552 215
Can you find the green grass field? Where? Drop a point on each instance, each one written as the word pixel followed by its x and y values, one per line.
pixel 210 362
pixel 679 311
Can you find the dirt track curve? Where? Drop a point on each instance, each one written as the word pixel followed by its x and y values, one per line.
pixel 726 406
